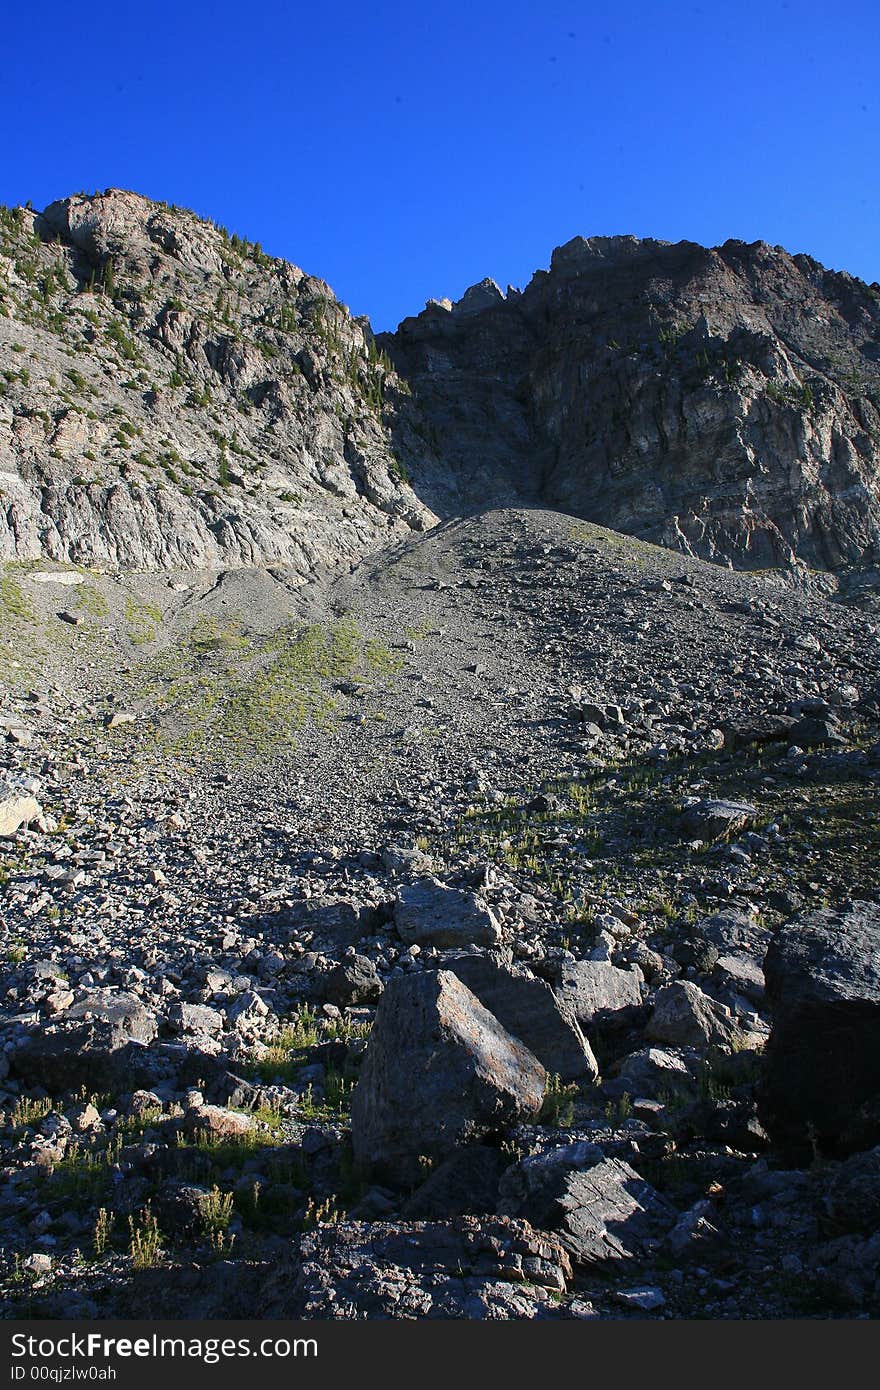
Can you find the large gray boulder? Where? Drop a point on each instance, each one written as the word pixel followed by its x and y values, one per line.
pixel 528 1008
pixel 717 820
pixel 598 993
pixel 101 1042
pixel 439 1071
pixel 128 1018
pixel 354 981
pixel 821 1083
pixel 429 914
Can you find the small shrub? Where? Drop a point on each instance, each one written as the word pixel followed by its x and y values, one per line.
pixel 145 1246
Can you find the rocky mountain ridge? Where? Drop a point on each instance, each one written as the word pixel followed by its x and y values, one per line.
pixel 724 402
pixel 172 397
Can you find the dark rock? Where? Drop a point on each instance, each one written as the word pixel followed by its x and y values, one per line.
pixel 465 1268
pixel 598 993
pixel 354 981
pixel 852 1194
pixel 428 914
pixel 93 1055
pixel 101 1041
pixel 816 733
pixel 717 820
pixel 439 1071
pixel 771 728
pixel 683 1016
pixel 465 1183
pixel 128 1018
pixel 822 1062
pixel 602 1212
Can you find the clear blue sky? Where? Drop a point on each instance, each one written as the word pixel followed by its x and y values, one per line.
pixel 403 150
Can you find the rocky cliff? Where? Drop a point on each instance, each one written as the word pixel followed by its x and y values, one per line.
pixel 725 402
pixel 173 397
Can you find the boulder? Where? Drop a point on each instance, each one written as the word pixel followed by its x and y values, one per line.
pixel 598 993
pixel 816 732
pixel 196 1020
pixel 218 1123
pixel 717 820
pixel 92 1054
pixel 128 1018
pixel 651 1072
pixel 821 1085
pixel 427 913
pixel 528 1008
pixel 603 1212
pixel 354 981
pixel 439 1071
pixel 852 1194
pixel 464 1183
pixel 15 811
pixel 733 932
pixel 683 1016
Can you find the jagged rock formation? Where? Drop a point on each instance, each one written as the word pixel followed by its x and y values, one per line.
pixel 173 397
pixel 725 402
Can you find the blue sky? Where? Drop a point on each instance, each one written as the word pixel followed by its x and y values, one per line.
pixel 403 150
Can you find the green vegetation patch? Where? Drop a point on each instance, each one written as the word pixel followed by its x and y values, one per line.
pixel 225 695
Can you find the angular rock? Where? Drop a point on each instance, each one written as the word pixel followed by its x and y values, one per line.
pixel 214 1120
pixel 717 820
pixel 602 1212
pixel 16 811
pixel 816 733
pixel 683 1016
pixel 439 1071
pixel 127 1016
pixel 195 1019
pixel 527 1008
pixel 429 914
pixel 598 993
pixel 354 981
pixel 852 1194
pixel 334 923
pixel 650 1072
pixel 465 1183
pixel 93 1055
pixel 821 1082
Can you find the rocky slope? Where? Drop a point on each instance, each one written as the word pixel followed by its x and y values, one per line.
pixel 540 792
pixel 171 396
pixel 725 402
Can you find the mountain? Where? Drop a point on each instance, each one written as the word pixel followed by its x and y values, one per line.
pixel 724 402
pixel 174 397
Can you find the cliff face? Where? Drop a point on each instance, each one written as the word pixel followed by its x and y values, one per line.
pixel 725 402
pixel 172 397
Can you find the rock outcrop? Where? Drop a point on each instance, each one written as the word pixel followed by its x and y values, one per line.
pixel 174 398
pixel 725 402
